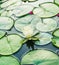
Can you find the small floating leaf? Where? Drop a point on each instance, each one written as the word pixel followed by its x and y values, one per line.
pixel 47 25
pixel 44 38
pixel 6 23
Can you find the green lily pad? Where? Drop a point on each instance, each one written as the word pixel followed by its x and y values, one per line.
pixel 8 60
pixel 22 10
pixel 44 38
pixel 56 32
pixel 40 57
pixel 13 6
pixel 8 3
pixel 2 33
pixel 6 23
pixel 47 25
pixel 55 41
pixel 10 44
pixel 46 10
pixel 27 25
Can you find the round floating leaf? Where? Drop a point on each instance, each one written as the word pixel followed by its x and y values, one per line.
pixel 40 57
pixel 56 32
pixel 47 25
pixel 8 60
pixel 13 6
pixel 2 33
pixel 27 25
pixel 46 10
pixel 44 38
pixel 55 41
pixel 10 44
pixel 22 10
pixel 8 3
pixel 6 23
pixel 57 2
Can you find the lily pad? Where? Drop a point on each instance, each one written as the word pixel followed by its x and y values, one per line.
pixel 6 23
pixel 8 60
pixel 10 44
pixel 27 25
pixel 47 25
pixel 22 10
pixel 55 41
pixel 13 6
pixel 8 3
pixel 46 10
pixel 44 38
pixel 40 57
